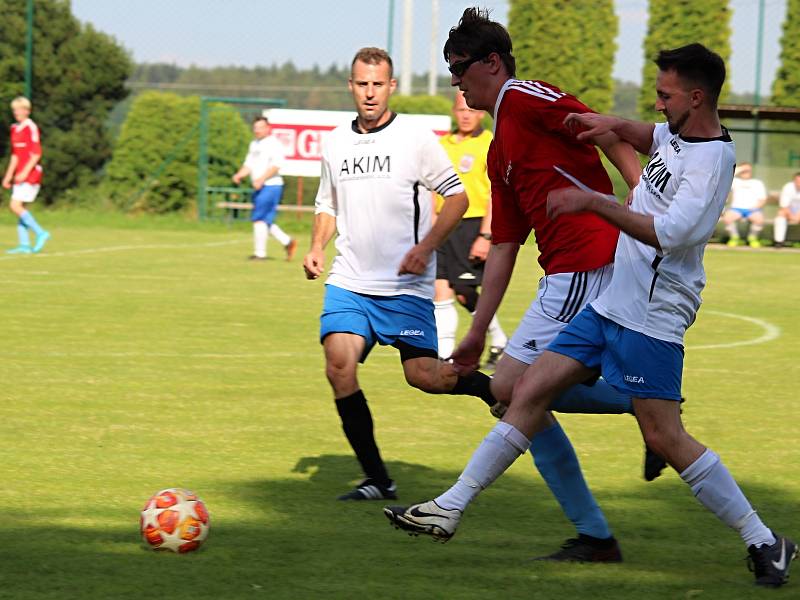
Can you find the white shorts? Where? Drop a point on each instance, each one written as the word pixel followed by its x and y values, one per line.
pixel 559 298
pixel 25 192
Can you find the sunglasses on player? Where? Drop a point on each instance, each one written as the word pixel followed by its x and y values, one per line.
pixel 458 69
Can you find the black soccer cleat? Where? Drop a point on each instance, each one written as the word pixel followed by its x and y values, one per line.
pixel 585 548
pixel 369 489
pixel 653 464
pixel 770 564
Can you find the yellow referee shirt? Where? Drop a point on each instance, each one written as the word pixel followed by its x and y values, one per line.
pixel 469 159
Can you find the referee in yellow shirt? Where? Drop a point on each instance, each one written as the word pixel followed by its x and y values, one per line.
pixel 460 260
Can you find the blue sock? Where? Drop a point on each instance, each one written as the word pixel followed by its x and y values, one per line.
pixel 22 234
pixel 555 458
pixel 29 222
pixel 600 399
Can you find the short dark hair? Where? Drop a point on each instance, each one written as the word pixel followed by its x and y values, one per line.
pixel 697 65
pixel 261 118
pixel 373 56
pixel 477 36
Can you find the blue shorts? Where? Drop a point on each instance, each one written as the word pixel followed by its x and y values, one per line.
pixel 265 203
pixel 383 319
pixel 746 212
pixel 635 364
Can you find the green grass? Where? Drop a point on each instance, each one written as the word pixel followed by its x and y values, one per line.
pixel 143 354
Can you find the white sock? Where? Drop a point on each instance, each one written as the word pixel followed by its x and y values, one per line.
pixel 496 334
pixel 755 228
pixel 446 317
pixel 497 452
pixel 716 489
pixel 779 229
pixel 732 230
pixel 260 239
pixel 280 235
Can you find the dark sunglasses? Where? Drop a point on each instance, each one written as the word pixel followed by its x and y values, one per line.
pixel 458 69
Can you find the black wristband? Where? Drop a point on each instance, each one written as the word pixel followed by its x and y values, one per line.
pixel 486 236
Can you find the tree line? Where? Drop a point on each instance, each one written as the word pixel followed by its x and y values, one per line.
pixel 89 97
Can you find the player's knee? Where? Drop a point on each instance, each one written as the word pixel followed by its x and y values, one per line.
pixel 661 440
pixel 467 296
pixel 339 372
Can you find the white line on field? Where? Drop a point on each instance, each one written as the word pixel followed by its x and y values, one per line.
pixel 771 332
pixel 124 248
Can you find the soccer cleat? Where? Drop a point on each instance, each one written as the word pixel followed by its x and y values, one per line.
pixel 770 564
pixel 427 518
pixel 495 352
pixel 779 245
pixel 734 241
pixel 654 464
pixel 753 241
pixel 585 548
pixel 291 248
pixel 498 410
pixel 21 249
pixel 41 240
pixel 256 257
pixel 369 489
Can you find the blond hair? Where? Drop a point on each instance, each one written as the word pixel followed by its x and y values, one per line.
pixel 373 56
pixel 21 101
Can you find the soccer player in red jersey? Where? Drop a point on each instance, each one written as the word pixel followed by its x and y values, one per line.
pixel 24 175
pixel 576 253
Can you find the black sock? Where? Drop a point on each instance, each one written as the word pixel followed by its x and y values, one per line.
pixel 357 425
pixel 475 384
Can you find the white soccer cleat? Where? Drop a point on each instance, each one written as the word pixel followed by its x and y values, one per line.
pixel 428 518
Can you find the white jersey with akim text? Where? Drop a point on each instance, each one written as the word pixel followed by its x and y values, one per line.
pixel 377 186
pixel 684 186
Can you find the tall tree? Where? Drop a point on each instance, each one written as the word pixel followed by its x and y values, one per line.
pixel 786 87
pixel 569 44
pixel 78 75
pixel 784 149
pixel 675 23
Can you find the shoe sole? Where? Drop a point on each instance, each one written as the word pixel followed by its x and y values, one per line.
pixel 414 529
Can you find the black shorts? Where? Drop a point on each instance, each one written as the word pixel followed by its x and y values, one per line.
pixel 452 257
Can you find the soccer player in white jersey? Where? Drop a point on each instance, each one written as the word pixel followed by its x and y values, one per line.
pixel 263 163
pixel 373 192
pixel 633 333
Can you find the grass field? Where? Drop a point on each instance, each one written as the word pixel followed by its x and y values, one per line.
pixel 141 356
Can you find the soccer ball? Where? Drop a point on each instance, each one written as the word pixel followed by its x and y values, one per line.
pixel 174 519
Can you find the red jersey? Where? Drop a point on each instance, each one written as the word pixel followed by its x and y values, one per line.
pixel 24 142
pixel 529 139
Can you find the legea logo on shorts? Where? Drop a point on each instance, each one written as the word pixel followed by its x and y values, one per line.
pixel 634 379
pixel 414 332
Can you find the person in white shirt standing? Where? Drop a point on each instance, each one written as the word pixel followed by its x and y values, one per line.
pixel 373 192
pixel 748 196
pixel 633 332
pixel 788 211
pixel 264 160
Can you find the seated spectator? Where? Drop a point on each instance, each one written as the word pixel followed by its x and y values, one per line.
pixel 789 211
pixel 748 196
